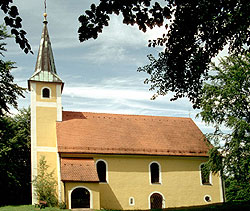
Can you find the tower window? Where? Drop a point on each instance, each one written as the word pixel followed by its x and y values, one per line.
pixel 101 170
pixel 46 93
pixel 155 173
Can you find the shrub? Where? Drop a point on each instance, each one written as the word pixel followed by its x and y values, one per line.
pixel 45 184
pixel 62 205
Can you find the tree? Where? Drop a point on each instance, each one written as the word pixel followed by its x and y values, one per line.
pixel 226 102
pixel 198 30
pixel 9 91
pixel 15 23
pixel 15 169
pixel 45 184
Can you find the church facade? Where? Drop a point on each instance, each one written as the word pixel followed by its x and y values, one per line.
pixel 115 161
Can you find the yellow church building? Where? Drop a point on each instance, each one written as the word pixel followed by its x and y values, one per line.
pixel 114 161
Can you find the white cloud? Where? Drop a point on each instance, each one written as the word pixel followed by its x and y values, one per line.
pixel 119 45
pixel 100 92
pixel 106 53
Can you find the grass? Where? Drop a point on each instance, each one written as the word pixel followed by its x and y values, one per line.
pixel 229 206
pixel 27 208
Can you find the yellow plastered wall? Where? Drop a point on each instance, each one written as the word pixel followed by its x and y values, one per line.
pixel 46 126
pixel 51 160
pixel 92 187
pixel 181 185
pixel 46 112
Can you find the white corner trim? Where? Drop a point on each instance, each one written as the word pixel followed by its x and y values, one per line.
pixel 107 177
pixel 163 199
pixel 59 102
pixel 90 193
pixel 33 138
pixel 160 180
pixel 59 178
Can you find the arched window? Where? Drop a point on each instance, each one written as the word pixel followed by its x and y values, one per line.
pixel 156 201
pixel 80 198
pixel 155 173
pixel 46 93
pixel 101 170
pixel 205 175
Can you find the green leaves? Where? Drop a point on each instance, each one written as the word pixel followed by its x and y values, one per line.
pixel 9 91
pixel 45 184
pixel 195 33
pixel 225 102
pixel 15 158
pixel 134 12
pixel 15 23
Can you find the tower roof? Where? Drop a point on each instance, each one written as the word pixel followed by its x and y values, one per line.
pixel 45 70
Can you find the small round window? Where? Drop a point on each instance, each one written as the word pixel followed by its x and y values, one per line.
pixel 46 93
pixel 207 198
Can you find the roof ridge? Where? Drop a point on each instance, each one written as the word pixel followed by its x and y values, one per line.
pixel 130 115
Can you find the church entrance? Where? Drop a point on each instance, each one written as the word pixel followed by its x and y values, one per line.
pixel 80 198
pixel 156 201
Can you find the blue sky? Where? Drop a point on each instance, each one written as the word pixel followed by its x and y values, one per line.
pixel 100 75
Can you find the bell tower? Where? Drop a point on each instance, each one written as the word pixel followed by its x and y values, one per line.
pixel 45 88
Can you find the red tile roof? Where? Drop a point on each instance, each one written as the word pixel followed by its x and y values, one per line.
pixel 83 132
pixel 78 169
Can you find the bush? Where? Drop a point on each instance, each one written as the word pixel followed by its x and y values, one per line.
pixel 62 205
pixel 45 184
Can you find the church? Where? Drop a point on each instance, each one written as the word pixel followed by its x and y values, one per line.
pixel 115 161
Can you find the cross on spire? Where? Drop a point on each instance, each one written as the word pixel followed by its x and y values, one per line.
pixel 45 6
pixel 45 14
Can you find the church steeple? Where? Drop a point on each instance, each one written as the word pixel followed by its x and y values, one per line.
pixel 46 109
pixel 45 70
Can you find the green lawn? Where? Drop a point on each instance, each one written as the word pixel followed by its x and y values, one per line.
pixel 228 206
pixel 234 206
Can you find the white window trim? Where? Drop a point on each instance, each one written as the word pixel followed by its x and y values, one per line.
pixel 163 199
pixel 133 199
pixel 209 197
pixel 90 193
pixel 50 93
pixel 160 180
pixel 210 177
pixel 107 178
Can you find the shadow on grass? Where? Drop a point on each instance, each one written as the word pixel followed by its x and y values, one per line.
pixel 228 206
pixel 27 208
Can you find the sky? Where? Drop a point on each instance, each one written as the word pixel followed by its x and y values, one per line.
pixel 99 75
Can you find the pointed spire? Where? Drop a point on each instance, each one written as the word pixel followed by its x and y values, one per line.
pixel 45 69
pixel 45 59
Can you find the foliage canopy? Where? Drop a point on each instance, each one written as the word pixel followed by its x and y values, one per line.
pixel 15 170
pixel 195 32
pixel 9 91
pixel 225 102
pixel 14 21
